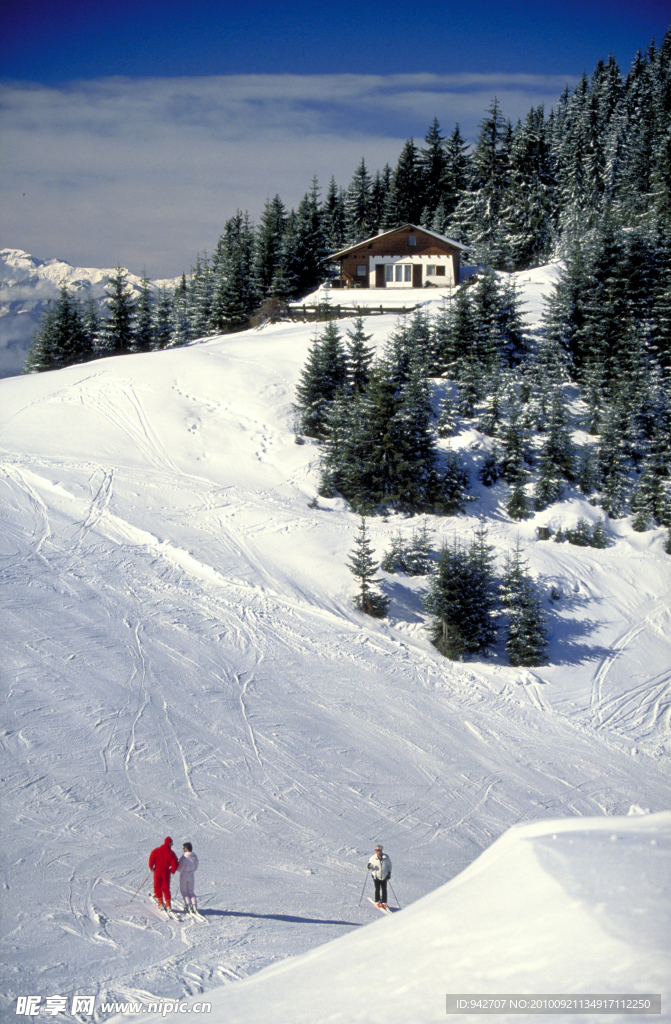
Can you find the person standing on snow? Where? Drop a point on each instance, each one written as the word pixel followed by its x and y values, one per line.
pixel 188 864
pixel 380 868
pixel 163 862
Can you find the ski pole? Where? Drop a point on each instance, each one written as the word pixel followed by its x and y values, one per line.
pixel 137 890
pixel 395 896
pixel 364 886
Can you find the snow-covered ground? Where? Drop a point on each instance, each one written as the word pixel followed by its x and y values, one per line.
pixel 554 907
pixel 27 284
pixel 183 657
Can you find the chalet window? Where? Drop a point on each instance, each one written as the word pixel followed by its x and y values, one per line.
pixel 412 239
pixel 430 270
pixel 440 270
pixel 389 272
pixel 361 270
pixel 408 272
pixel 399 272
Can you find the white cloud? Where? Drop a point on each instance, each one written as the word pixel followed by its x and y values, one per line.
pixel 146 171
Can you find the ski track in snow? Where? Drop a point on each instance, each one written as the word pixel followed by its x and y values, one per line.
pixel 183 657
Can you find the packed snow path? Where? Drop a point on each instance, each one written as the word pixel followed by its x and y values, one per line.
pixel 183 658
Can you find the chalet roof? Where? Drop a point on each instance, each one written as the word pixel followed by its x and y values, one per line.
pixel 402 227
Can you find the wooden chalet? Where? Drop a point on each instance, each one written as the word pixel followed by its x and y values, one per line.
pixel 406 257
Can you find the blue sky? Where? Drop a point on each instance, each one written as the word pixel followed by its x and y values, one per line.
pixel 131 131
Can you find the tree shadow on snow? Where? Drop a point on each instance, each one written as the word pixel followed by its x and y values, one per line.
pixel 289 918
pixel 569 644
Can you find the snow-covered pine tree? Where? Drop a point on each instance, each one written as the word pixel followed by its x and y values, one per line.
pixel 455 182
pixel 460 598
pixel 200 299
pixel 180 331
pixel 359 355
pixel 324 374
pixel 268 246
pixel 612 463
pixel 363 567
pixel 528 208
pixel 91 323
pixel 357 202
pixel 433 163
pixel 144 318
pixel 61 338
pixel 378 198
pixel 404 200
pixel 162 321
pixel 526 629
pixel 477 216
pixel 557 459
pixel 233 297
pixel 118 327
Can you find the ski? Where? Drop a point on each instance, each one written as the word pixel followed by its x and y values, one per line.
pixel 382 907
pixel 187 914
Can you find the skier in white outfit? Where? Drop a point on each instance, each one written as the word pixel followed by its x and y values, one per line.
pixel 188 864
pixel 380 868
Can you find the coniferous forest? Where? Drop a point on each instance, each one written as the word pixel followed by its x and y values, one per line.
pixel 582 404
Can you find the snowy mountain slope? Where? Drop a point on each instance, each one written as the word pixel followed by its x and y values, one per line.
pixel 566 906
pixel 27 284
pixel 183 657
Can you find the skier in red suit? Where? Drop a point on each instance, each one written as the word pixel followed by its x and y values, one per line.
pixel 163 862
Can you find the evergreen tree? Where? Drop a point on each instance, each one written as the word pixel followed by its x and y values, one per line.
pixel 359 356
pixel 44 353
pixel 404 201
pixel 433 164
pixel 118 328
pixel 324 374
pixel 455 182
pixel 144 321
pixel 557 459
pixel 357 203
pixel 612 464
pixel 379 192
pixel 526 631
pixel 233 297
pixel 363 567
pixel 412 557
pixel 268 246
pixel 477 216
pixel 306 254
pixel 162 320
pixel 180 333
pixel 91 324
pixel 460 598
pixel 61 339
pixel 200 299
pixel 528 208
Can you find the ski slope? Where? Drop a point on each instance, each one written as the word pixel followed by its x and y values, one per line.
pixel 182 657
pixel 539 913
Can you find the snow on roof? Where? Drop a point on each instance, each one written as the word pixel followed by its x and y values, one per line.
pixel 365 241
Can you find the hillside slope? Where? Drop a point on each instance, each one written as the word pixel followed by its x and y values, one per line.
pixel 183 658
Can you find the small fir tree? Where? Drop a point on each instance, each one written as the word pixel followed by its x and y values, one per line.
pixel 526 629
pixel 363 567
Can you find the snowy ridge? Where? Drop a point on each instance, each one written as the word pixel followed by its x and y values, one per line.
pixel 28 283
pixel 183 657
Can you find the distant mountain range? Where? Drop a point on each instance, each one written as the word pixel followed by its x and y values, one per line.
pixel 28 283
